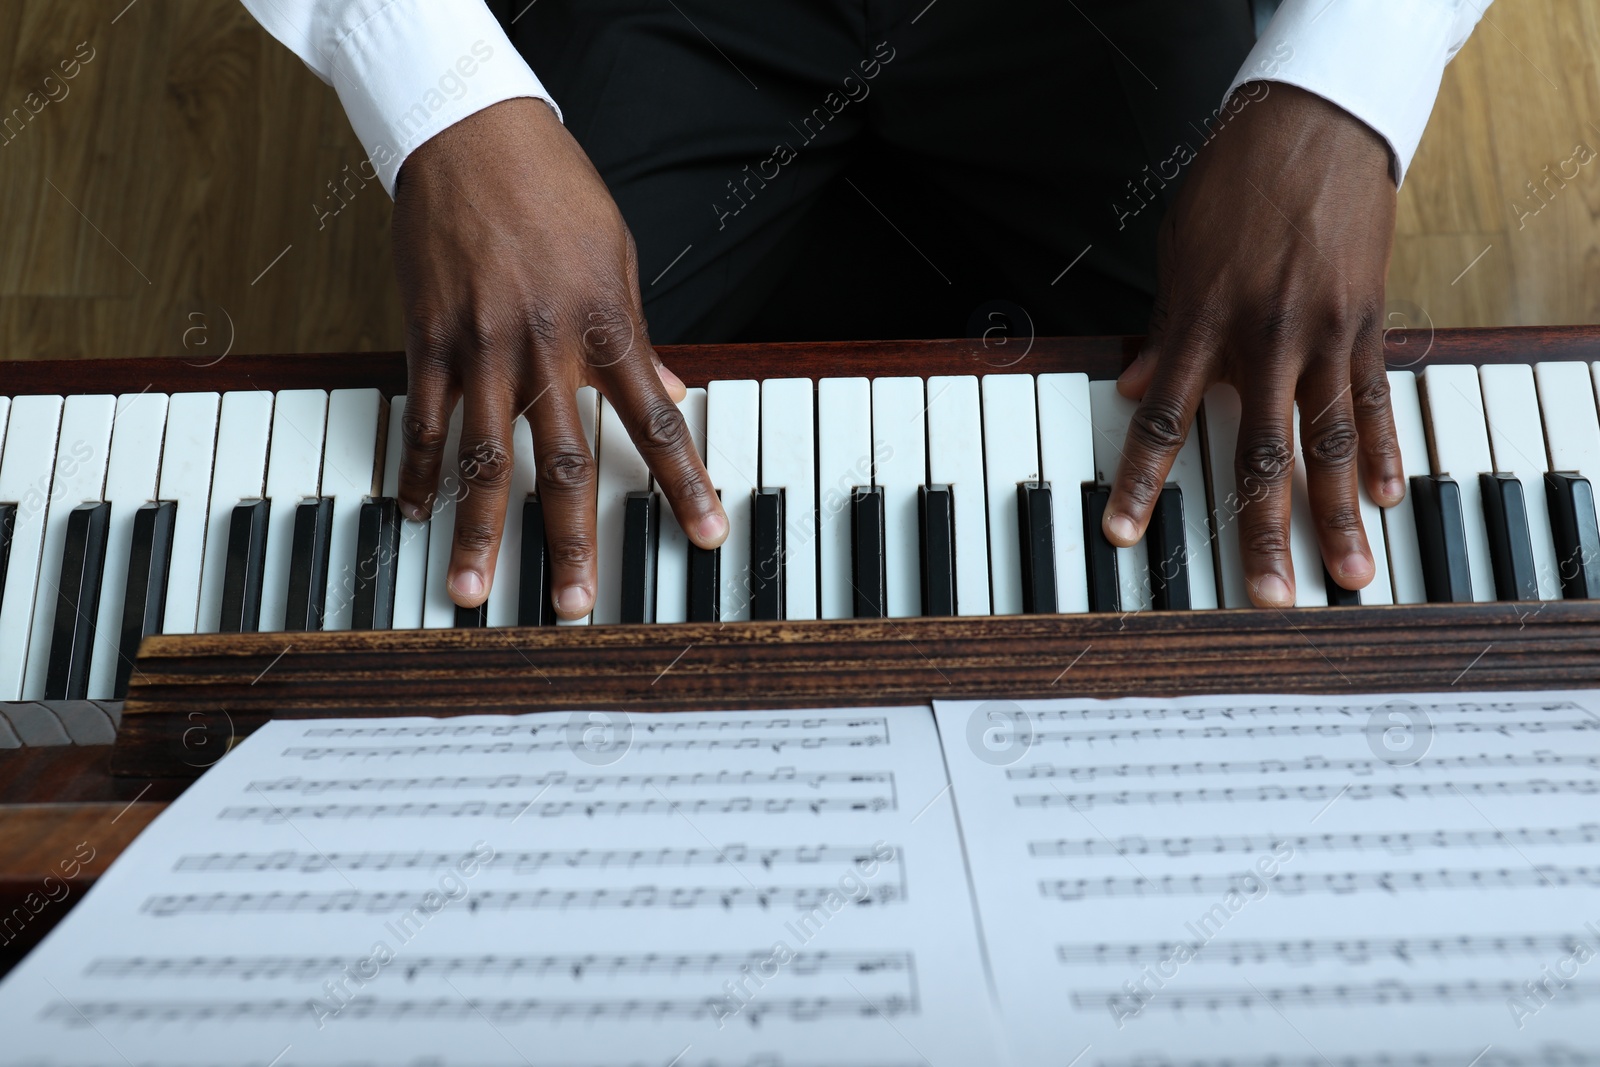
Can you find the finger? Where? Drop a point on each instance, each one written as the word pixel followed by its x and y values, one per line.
pixel 1329 443
pixel 484 461
pixel 566 489
pixel 1263 465
pixel 430 398
pixel 1381 468
pixel 656 425
pixel 671 382
pixel 1155 434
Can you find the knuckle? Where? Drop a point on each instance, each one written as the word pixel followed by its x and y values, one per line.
pixel 1158 424
pixel 430 334
pixel 1268 461
pixel 1334 446
pixel 539 327
pixel 663 429
pixel 609 334
pixel 572 552
pixel 1370 395
pixel 422 436
pixel 1280 321
pixel 567 472
pixel 1344 518
pixel 484 462
pixel 475 537
pixel 1141 485
pixel 1265 540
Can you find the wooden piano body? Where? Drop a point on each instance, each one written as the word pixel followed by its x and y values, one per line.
pixel 193 696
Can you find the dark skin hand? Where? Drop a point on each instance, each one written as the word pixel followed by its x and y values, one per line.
pixel 520 283
pixel 1272 267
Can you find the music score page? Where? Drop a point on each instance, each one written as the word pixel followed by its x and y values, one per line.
pixel 1313 881
pixel 765 889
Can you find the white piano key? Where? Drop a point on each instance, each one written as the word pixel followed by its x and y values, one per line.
pixel 1400 521
pixel 1381 589
pixel 1189 474
pixel 1516 440
pixel 788 461
pixel 438 610
pixel 900 468
pixel 672 555
pixel 844 461
pixel 1571 424
pixel 294 472
pixel 622 471
pixel 238 474
pixel 1458 444
pixel 25 474
pixel 733 444
pixel 1222 411
pixel 1305 551
pixel 1010 456
pixel 955 458
pixel 1110 412
pixel 1066 461
pixel 131 474
pixel 589 416
pixel 187 459
pixel 80 476
pixel 350 474
pixel 508 562
pixel 411 562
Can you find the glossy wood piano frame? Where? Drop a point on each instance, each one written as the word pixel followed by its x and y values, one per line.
pixel 193 696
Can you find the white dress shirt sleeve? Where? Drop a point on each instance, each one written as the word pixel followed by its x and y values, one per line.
pixel 404 69
pixel 1380 60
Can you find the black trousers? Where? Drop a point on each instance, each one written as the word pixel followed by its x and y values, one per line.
pixel 831 169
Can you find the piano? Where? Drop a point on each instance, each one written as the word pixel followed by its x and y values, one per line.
pixel 188 551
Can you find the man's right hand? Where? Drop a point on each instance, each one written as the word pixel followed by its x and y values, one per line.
pixel 520 284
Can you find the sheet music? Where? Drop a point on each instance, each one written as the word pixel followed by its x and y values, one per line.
pixel 1300 880
pixel 762 889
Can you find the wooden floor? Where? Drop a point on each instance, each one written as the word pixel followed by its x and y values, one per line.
pixel 175 198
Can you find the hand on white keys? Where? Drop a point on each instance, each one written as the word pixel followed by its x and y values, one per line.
pixel 1271 277
pixel 520 285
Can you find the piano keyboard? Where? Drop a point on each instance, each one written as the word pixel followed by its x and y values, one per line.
pixel 123 516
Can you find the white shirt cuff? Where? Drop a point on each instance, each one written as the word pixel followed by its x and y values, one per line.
pixel 415 67
pixel 1380 60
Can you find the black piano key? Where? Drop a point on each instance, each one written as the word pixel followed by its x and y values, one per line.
pixel 1338 595
pixel 308 564
pixel 467 618
pixel 377 555
pixel 534 604
pixel 1442 537
pixel 1036 534
pixel 869 565
pixel 1505 511
pixel 705 583
pixel 1168 549
pixel 937 528
pixel 641 538
pixel 144 601
pixel 8 527
pixel 83 561
pixel 1105 588
pixel 1572 519
pixel 241 578
pixel 766 554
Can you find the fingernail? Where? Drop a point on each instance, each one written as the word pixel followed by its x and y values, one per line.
pixel 467 583
pixel 713 528
pixel 1355 565
pixel 573 600
pixel 1394 488
pixel 412 512
pixel 1133 368
pixel 1275 591
pixel 1122 529
pixel 669 379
